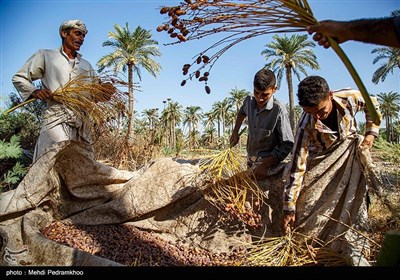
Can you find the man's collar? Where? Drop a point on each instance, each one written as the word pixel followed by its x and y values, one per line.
pixel 78 55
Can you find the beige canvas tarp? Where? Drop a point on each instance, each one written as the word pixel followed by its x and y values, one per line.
pixel 67 184
pixel 333 203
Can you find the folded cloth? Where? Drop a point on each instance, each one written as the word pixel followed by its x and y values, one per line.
pixel 73 23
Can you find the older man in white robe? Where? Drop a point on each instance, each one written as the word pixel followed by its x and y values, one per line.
pixel 54 68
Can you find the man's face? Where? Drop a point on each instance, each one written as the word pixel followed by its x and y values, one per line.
pixel 322 110
pixel 74 39
pixel 262 96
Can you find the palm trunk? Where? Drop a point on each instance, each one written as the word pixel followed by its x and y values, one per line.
pixel 291 98
pixel 190 137
pixel 131 112
pixel 173 135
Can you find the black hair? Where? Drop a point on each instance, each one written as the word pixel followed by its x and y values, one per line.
pixel 312 90
pixel 264 79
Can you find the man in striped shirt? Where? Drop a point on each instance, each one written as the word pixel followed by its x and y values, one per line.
pixel 327 121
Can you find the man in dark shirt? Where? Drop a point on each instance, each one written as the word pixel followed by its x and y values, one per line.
pixel 270 137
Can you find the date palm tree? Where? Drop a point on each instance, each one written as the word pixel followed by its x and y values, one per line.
pixel 132 51
pixel 391 61
pixel 209 127
pixel 191 118
pixel 151 116
pixel 390 56
pixel 390 107
pixel 172 117
pixel 237 97
pixel 290 55
pixel 220 111
pixel 207 137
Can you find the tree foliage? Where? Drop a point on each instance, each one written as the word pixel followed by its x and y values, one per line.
pixel 12 174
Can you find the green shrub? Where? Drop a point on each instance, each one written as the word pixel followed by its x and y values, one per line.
pixel 11 168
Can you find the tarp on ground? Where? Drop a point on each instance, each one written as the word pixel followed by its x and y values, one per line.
pixel 67 184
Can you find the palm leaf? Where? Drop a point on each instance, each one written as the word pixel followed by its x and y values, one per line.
pixel 243 19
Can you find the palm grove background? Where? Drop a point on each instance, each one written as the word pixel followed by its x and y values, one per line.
pixel 137 137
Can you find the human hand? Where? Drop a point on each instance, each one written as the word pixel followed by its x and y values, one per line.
pixel 288 222
pixel 261 170
pixel 42 94
pixel 334 29
pixel 367 142
pixel 260 173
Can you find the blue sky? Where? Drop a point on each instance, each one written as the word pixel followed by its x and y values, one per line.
pixel 29 25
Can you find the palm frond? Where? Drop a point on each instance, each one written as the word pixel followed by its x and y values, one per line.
pixel 243 19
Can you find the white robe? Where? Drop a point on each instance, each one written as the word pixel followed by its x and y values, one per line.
pixel 54 69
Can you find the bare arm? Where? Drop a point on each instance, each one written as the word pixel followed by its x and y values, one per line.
pixel 234 139
pixel 375 31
